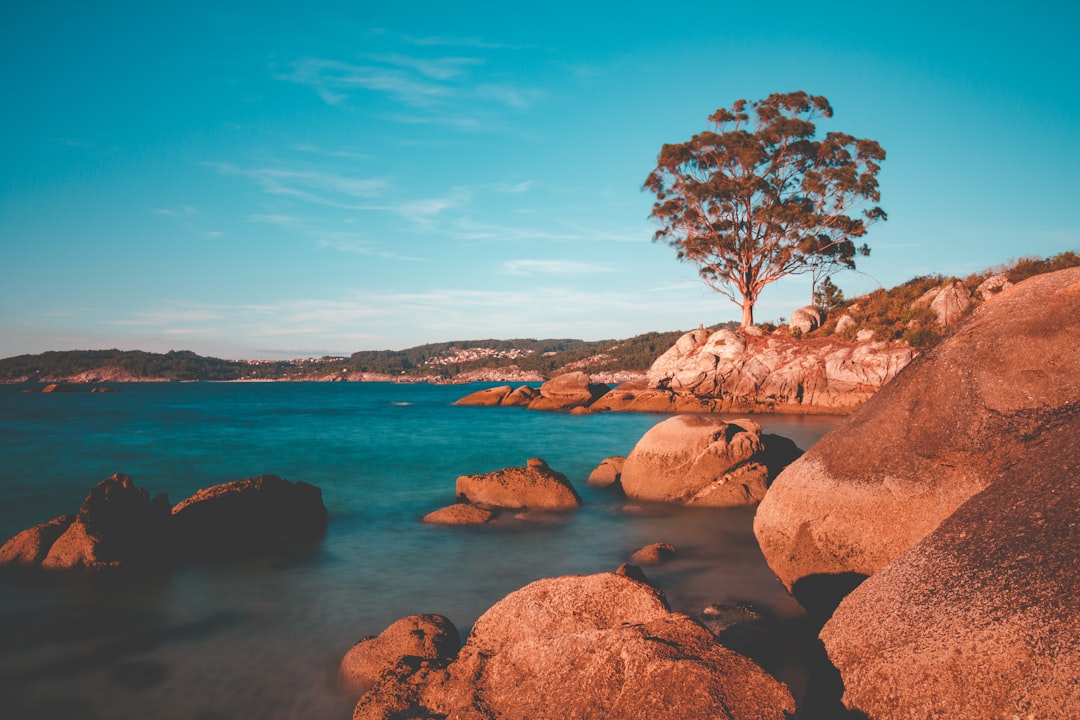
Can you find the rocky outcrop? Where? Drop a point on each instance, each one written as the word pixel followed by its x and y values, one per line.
pixel 565 392
pixel 488 397
pixel 653 554
pixel 991 286
pixel 30 547
pixel 521 396
pixel 415 639
pixel 981 619
pixel 728 371
pixel 583 646
pixel 120 527
pixel 947 302
pixel 608 473
pixel 117 526
pixel 459 514
pixel 535 486
pixel 252 515
pixel 702 460
pixel 977 404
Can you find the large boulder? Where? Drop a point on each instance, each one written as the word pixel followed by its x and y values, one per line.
pixel 251 515
pixel 30 547
pixel 955 418
pixel 568 391
pixel 414 638
pixel 117 526
pixel 805 319
pixel 981 619
pixel 583 647
pixel 703 460
pixel 535 486
pixel 488 397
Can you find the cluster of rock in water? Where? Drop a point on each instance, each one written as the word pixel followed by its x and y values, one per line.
pixel 933 535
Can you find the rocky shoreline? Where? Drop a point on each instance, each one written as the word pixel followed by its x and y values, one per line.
pixel 932 537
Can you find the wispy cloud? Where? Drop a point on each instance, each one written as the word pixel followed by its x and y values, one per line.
pixel 560 267
pixel 452 86
pixel 315 186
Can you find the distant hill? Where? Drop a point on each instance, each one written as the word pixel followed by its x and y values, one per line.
pixel 892 315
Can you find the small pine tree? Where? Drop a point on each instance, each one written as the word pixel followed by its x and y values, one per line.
pixel 828 297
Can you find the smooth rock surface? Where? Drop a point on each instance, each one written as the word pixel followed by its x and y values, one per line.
pixel 607 473
pixel 418 638
pixel 597 646
pixel 568 391
pixel 249 515
pixel 978 403
pixel 700 460
pixel 981 619
pixel 535 486
pixel 30 547
pixel 488 397
pixel 459 514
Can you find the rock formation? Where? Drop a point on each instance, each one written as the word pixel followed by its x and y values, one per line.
pixel 535 486
pixel 947 302
pixel 729 371
pixel 565 392
pixel 488 397
pixel 981 619
pixel 117 526
pixel 583 646
pixel 459 514
pixel 703 460
pixel 249 515
pixel 653 554
pixel 120 527
pixel 415 639
pixel 978 404
pixel 30 547
pixel 608 473
pixel 805 319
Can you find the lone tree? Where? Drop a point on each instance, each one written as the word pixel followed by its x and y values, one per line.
pixel 759 198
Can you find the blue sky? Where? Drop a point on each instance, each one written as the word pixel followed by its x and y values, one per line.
pixel 272 180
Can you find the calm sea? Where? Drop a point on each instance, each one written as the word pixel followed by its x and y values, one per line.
pixel 262 638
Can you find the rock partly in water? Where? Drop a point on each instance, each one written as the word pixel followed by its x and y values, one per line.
pixel 978 403
pixel 568 391
pixel 459 514
pixel 117 527
pixel 653 554
pixel 521 396
pixel 583 646
pixel 535 486
pixel 981 619
pixel 416 638
pixel 251 515
pixel 488 397
pixel 30 547
pixel 607 473
pixel 702 460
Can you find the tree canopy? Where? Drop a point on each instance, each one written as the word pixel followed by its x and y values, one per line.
pixel 758 197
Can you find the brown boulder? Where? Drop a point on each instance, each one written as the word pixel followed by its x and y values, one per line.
pixel 521 396
pixel 928 441
pixel 607 473
pixel 981 619
pixel 568 391
pixel 579 647
pixel 414 638
pixel 459 514
pixel 701 460
pixel 31 546
pixel 535 486
pixel 653 554
pixel 489 397
pixel 117 526
pixel 250 515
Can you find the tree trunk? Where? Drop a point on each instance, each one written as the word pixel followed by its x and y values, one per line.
pixel 747 311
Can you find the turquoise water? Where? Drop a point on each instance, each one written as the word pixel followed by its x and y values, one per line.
pixel 262 638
